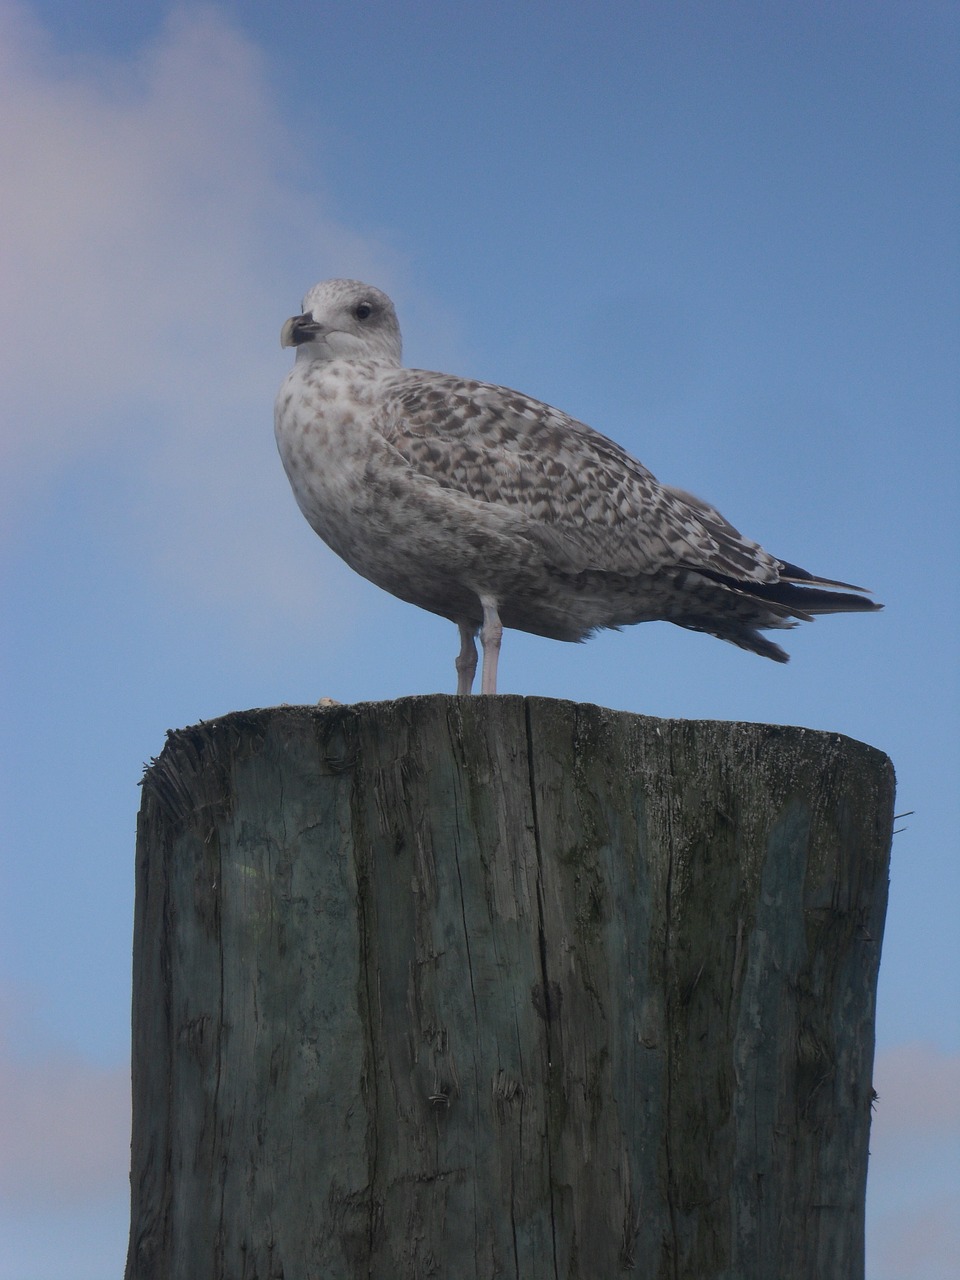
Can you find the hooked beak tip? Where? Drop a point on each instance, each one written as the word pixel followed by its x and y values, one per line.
pixel 297 330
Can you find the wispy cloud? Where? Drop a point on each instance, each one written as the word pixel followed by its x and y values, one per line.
pixel 66 1130
pixel 913 1226
pixel 918 1087
pixel 153 244
pixel 65 1120
pixel 148 226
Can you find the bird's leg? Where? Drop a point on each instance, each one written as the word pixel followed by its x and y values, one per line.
pixel 490 635
pixel 466 663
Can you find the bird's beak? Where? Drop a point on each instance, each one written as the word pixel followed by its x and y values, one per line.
pixel 299 329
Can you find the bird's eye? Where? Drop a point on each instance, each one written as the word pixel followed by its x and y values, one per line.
pixel 363 310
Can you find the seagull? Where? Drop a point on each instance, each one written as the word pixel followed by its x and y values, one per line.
pixel 496 510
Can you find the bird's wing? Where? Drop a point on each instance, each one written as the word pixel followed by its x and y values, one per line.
pixel 585 501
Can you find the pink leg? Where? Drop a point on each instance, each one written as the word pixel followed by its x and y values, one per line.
pixel 490 636
pixel 466 663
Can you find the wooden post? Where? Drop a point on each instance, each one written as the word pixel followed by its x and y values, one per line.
pixel 504 987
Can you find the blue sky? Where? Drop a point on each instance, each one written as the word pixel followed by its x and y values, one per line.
pixel 724 234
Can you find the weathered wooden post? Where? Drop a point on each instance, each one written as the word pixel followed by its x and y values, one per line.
pixel 489 987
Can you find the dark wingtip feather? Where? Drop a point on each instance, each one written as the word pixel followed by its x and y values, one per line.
pixel 793 573
pixel 806 601
pixel 799 594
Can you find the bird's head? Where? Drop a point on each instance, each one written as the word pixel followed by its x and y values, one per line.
pixel 345 320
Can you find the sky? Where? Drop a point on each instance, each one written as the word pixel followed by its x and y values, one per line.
pixel 725 235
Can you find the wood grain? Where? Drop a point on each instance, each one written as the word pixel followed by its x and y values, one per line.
pixel 504 987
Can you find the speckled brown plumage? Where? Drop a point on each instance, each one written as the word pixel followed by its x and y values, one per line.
pixel 496 510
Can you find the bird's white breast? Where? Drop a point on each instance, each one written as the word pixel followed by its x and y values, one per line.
pixel 324 429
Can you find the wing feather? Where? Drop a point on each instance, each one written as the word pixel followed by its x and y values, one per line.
pixel 586 501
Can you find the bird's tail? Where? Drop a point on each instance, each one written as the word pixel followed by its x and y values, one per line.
pixel 752 607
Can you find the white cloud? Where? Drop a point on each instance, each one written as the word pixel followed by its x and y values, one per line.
pixel 918 1087
pixel 913 1202
pixel 134 199
pixel 921 1243
pixel 65 1120
pixel 66 1130
pixel 152 247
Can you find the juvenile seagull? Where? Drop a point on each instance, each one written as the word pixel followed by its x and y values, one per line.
pixel 495 510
